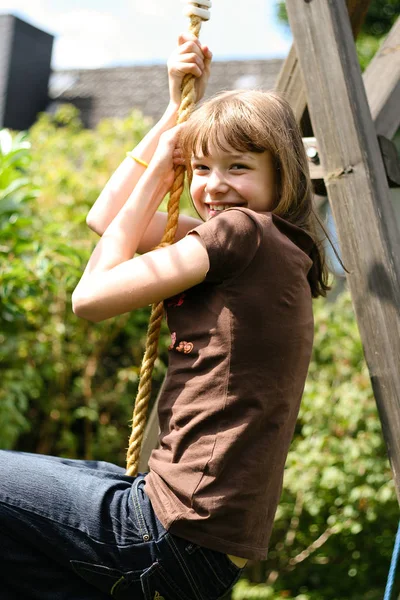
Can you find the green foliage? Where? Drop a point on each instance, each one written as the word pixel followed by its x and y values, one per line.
pixel 380 17
pixel 335 526
pixel 68 386
pixel 17 286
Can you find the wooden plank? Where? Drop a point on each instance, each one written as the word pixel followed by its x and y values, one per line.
pixel 358 194
pixel 389 153
pixel 390 160
pixel 290 84
pixel 151 435
pixel 382 84
pixel 290 79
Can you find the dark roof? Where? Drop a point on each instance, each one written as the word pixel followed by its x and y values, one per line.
pixel 114 92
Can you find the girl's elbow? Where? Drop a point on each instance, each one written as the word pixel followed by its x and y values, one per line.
pixel 81 309
pixel 93 226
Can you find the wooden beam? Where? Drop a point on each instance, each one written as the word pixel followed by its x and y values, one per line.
pixel 358 194
pixel 150 438
pixel 290 84
pixel 290 80
pixel 389 153
pixel 390 160
pixel 382 84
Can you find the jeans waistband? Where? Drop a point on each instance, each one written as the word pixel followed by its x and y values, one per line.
pixel 197 572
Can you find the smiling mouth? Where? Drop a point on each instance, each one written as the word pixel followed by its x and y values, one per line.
pixel 220 207
pixel 215 209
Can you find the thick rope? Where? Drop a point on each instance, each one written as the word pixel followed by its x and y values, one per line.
pixel 153 333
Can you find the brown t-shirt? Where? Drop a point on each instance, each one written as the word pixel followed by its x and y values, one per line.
pixel 239 355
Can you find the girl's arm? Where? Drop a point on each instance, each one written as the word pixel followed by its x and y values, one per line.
pixel 123 181
pixel 114 282
pixel 189 57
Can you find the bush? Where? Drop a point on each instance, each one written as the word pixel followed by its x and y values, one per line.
pixel 18 285
pixel 68 385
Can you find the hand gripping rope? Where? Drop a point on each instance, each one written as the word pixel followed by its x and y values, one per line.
pixel 198 12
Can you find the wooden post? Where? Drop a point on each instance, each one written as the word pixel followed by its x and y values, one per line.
pixel 358 193
pixel 382 84
pixel 290 80
pixel 151 433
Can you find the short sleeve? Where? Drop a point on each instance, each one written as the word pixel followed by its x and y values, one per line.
pixel 231 239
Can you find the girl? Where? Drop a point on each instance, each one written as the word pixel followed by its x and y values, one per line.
pixel 238 288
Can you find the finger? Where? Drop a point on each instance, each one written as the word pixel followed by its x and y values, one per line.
pixel 188 69
pixel 187 37
pixel 192 58
pixel 207 54
pixel 178 128
pixel 174 131
pixel 177 153
pixel 207 67
pixel 173 136
pixel 190 47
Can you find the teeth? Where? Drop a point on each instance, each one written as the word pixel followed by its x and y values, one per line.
pixel 220 207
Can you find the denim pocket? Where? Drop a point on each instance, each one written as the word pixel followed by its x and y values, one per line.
pixel 215 573
pixel 157 579
pixel 118 584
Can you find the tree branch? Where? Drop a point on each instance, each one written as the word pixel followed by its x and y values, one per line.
pixel 314 546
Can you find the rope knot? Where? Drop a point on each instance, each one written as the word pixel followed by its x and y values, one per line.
pixel 198 9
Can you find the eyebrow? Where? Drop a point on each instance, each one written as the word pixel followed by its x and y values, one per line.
pixel 233 156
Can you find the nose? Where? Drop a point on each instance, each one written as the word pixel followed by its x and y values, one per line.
pixel 216 183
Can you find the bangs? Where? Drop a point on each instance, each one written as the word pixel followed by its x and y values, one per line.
pixel 225 123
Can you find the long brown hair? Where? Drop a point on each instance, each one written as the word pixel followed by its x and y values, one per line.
pixel 256 121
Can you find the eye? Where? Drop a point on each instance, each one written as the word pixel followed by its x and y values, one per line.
pixel 200 167
pixel 238 166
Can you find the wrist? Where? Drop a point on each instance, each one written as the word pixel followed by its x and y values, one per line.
pixel 156 172
pixel 170 115
pixel 151 189
pixel 162 179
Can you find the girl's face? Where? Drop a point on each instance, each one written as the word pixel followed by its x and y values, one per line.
pixel 225 179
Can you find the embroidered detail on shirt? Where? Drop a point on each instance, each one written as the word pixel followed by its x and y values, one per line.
pixel 157 596
pixel 173 341
pixel 177 300
pixel 185 347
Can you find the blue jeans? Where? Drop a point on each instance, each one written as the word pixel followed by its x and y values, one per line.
pixel 83 530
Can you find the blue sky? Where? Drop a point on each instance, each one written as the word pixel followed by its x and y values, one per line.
pixel 101 33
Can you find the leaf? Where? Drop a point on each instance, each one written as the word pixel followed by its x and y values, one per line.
pixel 6 141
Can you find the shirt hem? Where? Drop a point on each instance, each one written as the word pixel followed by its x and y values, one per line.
pixel 196 536
pixel 190 530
